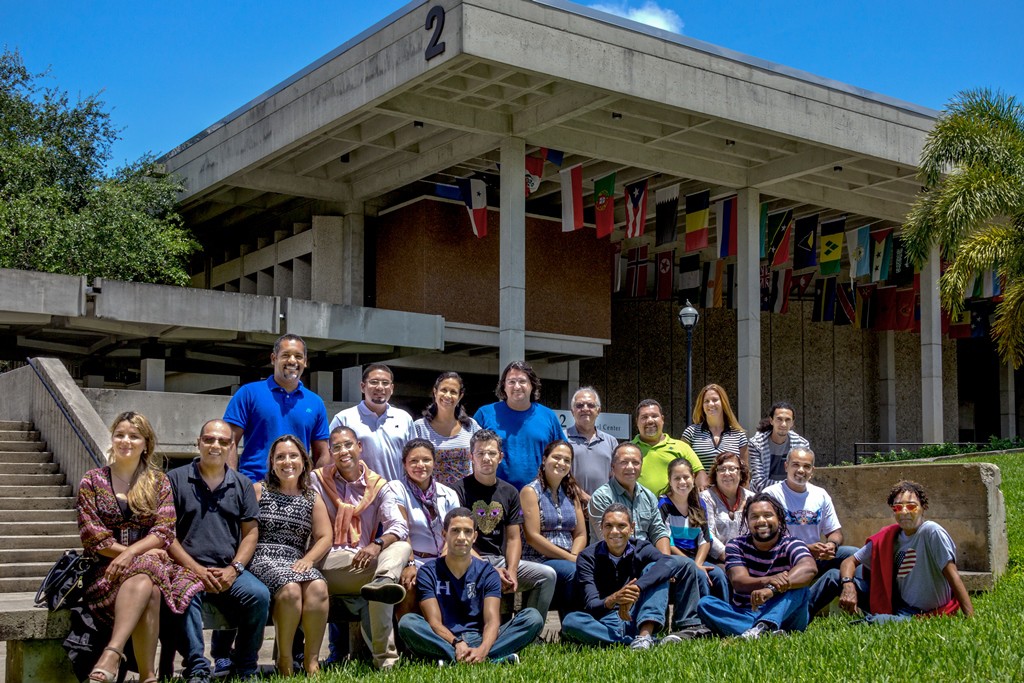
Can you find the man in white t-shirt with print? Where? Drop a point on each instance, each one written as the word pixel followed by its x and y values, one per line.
pixel 811 517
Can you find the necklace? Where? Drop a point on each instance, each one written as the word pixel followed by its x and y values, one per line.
pixel 730 507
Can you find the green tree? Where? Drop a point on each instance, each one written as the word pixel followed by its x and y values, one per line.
pixel 60 211
pixel 972 205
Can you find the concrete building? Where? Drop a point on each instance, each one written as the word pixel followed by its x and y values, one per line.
pixel 317 206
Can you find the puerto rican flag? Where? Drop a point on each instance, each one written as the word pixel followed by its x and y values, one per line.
pixel 636 208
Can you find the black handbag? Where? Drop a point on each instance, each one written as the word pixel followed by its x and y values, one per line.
pixel 65 582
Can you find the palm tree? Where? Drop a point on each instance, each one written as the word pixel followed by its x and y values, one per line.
pixel 972 204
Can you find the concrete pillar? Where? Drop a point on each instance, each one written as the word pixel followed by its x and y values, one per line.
pixel 512 253
pixel 887 386
pixel 1007 402
pixel 931 351
pixel 748 308
pixel 94 381
pixel 351 378
pixel 322 383
pixel 572 382
pixel 336 270
pixel 152 376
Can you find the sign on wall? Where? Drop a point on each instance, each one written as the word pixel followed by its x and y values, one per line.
pixel 616 424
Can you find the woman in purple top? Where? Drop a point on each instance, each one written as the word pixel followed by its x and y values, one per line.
pixel 553 519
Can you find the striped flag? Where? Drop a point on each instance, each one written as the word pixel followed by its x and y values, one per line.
pixel 689 279
pixel 777 237
pixel 824 300
pixel 572 197
pixel 830 246
pixel 782 282
pixel 727 213
pixel 859 243
pixel 881 254
pixel 697 206
pixel 711 284
pixel 636 208
pixel 604 205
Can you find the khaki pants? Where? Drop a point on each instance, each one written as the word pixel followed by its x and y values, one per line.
pixel 344 579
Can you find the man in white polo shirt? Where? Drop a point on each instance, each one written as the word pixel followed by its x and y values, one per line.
pixel 381 428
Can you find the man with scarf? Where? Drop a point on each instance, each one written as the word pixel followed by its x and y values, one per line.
pixel 361 561
pixel 909 568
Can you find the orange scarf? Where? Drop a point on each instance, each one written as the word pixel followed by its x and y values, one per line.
pixel 347 524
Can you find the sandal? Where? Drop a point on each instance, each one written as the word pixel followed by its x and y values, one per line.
pixel 104 675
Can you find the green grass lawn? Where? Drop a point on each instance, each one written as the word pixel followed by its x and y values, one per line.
pixel 989 647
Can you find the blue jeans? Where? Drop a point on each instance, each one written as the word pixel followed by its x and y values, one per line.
pixel 585 628
pixel 787 611
pixel 685 592
pixel 826 587
pixel 719 582
pixel 513 636
pixel 565 571
pixel 246 603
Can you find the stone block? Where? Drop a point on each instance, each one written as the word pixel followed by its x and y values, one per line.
pixel 963 497
pixel 34 661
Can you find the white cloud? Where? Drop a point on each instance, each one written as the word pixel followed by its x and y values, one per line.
pixel 649 13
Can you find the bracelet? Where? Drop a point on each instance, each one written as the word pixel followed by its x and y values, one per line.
pixel 774 589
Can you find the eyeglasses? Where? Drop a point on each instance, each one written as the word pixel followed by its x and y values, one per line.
pixel 905 507
pixel 344 446
pixel 728 470
pixel 210 440
pixel 382 383
pixel 517 382
pixel 581 405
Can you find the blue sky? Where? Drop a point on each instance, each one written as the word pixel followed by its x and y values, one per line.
pixel 167 70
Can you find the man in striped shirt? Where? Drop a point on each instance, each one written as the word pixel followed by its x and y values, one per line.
pixel 769 571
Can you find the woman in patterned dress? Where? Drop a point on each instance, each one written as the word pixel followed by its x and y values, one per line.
pixel 446 424
pixel 553 520
pixel 126 521
pixel 291 516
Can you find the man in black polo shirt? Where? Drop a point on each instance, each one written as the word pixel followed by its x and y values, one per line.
pixel 217 530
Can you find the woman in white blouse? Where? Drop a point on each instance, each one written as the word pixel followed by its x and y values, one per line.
pixel 724 501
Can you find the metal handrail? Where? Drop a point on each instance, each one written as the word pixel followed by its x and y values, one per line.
pixel 67 416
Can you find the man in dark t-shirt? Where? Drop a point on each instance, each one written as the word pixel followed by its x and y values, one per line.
pixel 495 506
pixel 460 596
pixel 216 533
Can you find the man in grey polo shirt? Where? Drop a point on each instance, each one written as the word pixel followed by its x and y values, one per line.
pixel 591 448
pixel 217 529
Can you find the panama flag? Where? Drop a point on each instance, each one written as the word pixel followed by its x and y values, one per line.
pixel 572 197
pixel 604 205
pixel 474 194
pixel 636 208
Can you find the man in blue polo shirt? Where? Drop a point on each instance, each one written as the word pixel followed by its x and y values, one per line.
pixel 460 597
pixel 217 530
pixel 262 411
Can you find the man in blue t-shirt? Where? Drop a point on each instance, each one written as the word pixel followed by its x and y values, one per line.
pixel 460 597
pixel 525 426
pixel 769 571
pixel 264 410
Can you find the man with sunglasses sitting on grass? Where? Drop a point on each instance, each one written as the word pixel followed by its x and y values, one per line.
pixel 909 568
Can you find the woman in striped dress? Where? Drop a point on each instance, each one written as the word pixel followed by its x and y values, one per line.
pixel 715 429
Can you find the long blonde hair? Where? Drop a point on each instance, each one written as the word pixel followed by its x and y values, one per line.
pixel 143 494
pixel 730 417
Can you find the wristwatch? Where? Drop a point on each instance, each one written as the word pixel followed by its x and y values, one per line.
pixel 774 589
pixel 379 542
pixel 238 567
pixel 846 580
pixel 456 640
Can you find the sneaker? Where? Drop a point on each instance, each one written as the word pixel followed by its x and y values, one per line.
pixel 383 590
pixel 512 659
pixel 222 666
pixel 756 631
pixel 198 677
pixel 670 639
pixel 642 643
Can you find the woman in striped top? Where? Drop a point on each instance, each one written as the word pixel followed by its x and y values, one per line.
pixel 715 429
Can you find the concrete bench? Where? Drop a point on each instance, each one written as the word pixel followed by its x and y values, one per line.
pixel 963 497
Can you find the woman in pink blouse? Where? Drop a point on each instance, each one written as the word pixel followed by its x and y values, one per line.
pixel 126 520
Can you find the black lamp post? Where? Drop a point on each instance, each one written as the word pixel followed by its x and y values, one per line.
pixel 688 317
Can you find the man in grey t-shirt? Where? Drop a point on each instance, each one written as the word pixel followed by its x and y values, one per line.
pixel 591 448
pixel 913 563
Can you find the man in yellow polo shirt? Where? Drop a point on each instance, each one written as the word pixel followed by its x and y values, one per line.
pixel 659 449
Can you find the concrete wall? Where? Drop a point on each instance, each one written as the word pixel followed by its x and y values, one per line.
pixel 175 417
pixel 830 374
pixel 964 498
pixel 441 268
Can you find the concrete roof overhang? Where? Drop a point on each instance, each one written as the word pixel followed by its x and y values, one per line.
pixel 375 120
pixel 375 123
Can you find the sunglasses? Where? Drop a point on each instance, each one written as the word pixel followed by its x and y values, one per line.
pixel 905 507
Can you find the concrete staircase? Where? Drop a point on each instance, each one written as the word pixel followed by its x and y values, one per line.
pixel 37 510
